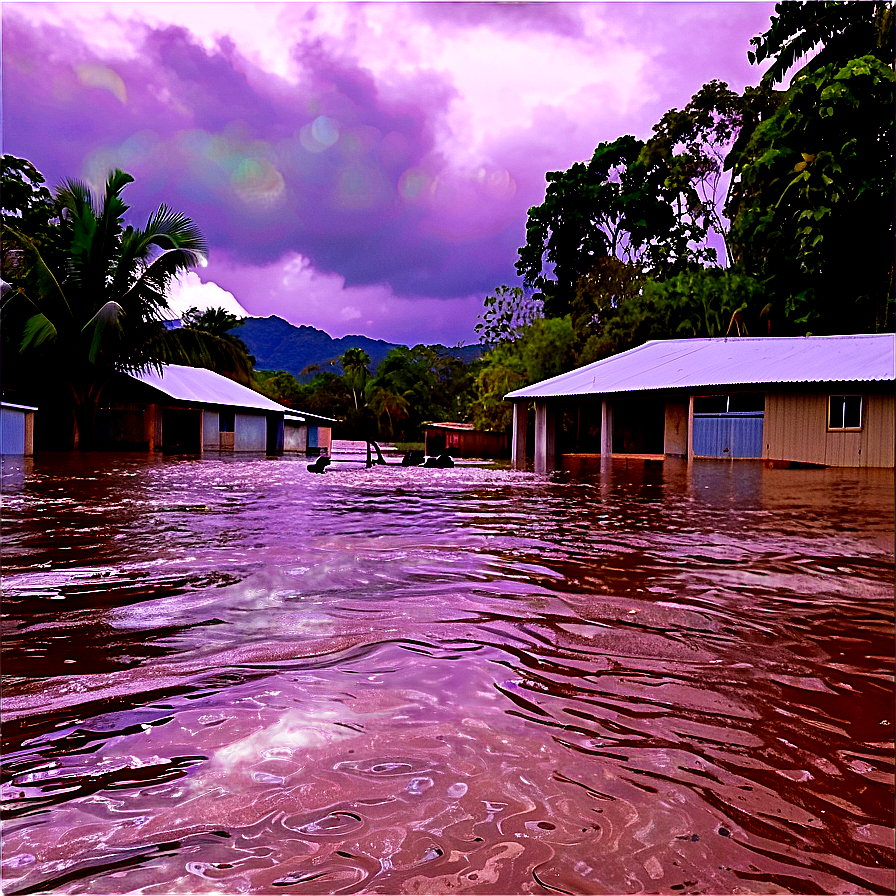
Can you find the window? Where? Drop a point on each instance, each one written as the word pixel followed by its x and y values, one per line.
pixel 845 412
pixel 225 419
pixel 735 403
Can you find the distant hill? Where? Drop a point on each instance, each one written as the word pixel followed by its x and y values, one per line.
pixel 278 345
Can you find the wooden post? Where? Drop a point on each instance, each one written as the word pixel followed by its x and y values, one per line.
pixel 606 433
pixel 29 434
pixel 691 429
pixel 520 428
pixel 545 437
pixel 149 427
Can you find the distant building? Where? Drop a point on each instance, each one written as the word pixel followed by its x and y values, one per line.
pixel 464 440
pixel 307 434
pixel 820 400
pixel 191 410
pixel 16 429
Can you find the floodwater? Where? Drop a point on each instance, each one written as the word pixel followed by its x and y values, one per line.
pixel 235 676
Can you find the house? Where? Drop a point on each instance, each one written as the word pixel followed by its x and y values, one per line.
pixel 464 440
pixel 188 410
pixel 17 429
pixel 816 400
pixel 307 434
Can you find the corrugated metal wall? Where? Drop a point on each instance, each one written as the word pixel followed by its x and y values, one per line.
pixel 250 432
pixel 12 431
pixel 797 429
pixel 211 431
pixel 295 437
pixel 728 435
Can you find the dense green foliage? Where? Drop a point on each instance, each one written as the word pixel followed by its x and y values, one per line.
pixel 812 206
pixel 411 386
pixel 87 297
pixel 626 247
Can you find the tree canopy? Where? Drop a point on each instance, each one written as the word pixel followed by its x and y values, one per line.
pixel 88 290
pixel 647 241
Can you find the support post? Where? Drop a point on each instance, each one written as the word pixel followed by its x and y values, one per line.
pixel 29 434
pixel 691 429
pixel 149 427
pixel 545 437
pixel 520 429
pixel 606 433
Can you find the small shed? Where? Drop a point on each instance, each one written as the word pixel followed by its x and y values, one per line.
pixel 310 435
pixel 16 429
pixel 464 440
pixel 816 400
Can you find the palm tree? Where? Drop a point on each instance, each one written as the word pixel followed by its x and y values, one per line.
pixel 231 356
pixel 393 404
pixel 355 366
pixel 104 313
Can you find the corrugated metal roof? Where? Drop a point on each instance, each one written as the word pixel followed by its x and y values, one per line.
pixel 465 427
pixel 735 361
pixel 196 384
pixel 294 416
pixel 18 407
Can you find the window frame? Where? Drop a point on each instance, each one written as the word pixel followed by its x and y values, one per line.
pixel 844 428
pixel 226 417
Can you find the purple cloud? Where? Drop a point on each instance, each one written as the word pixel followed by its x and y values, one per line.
pixel 394 147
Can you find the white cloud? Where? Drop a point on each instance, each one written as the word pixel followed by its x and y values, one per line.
pixel 189 291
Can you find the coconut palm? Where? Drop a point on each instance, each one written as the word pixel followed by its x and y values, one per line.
pixel 383 401
pixel 356 369
pixel 103 312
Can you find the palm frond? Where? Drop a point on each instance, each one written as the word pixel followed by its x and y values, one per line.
pixel 75 197
pixel 149 290
pixel 113 206
pixel 43 288
pixel 105 323
pixel 169 230
pixel 38 331
pixel 196 348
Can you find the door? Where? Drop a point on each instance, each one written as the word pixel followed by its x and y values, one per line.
pixel 181 430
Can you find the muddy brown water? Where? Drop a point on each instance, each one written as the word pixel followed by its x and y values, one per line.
pixel 234 676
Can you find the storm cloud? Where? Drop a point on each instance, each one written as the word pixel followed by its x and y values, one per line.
pixel 393 149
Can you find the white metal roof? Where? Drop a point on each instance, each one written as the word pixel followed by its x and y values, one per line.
pixel 294 416
pixel 18 407
pixel 196 384
pixel 734 361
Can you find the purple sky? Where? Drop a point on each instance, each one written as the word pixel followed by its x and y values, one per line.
pixel 362 168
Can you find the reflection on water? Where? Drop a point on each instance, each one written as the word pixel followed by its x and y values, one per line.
pixel 235 676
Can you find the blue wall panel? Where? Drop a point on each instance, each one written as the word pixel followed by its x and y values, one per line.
pixel 728 435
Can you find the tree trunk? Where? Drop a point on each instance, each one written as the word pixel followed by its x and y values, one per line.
pixel 85 424
pixel 87 400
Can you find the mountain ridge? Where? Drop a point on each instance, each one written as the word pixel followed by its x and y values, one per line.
pixel 276 344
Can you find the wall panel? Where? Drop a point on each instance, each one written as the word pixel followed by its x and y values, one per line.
pixel 250 432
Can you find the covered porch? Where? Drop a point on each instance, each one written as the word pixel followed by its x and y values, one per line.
pixel 601 427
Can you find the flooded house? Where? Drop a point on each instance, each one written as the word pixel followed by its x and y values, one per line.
pixel 191 410
pixel 309 435
pixel 815 400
